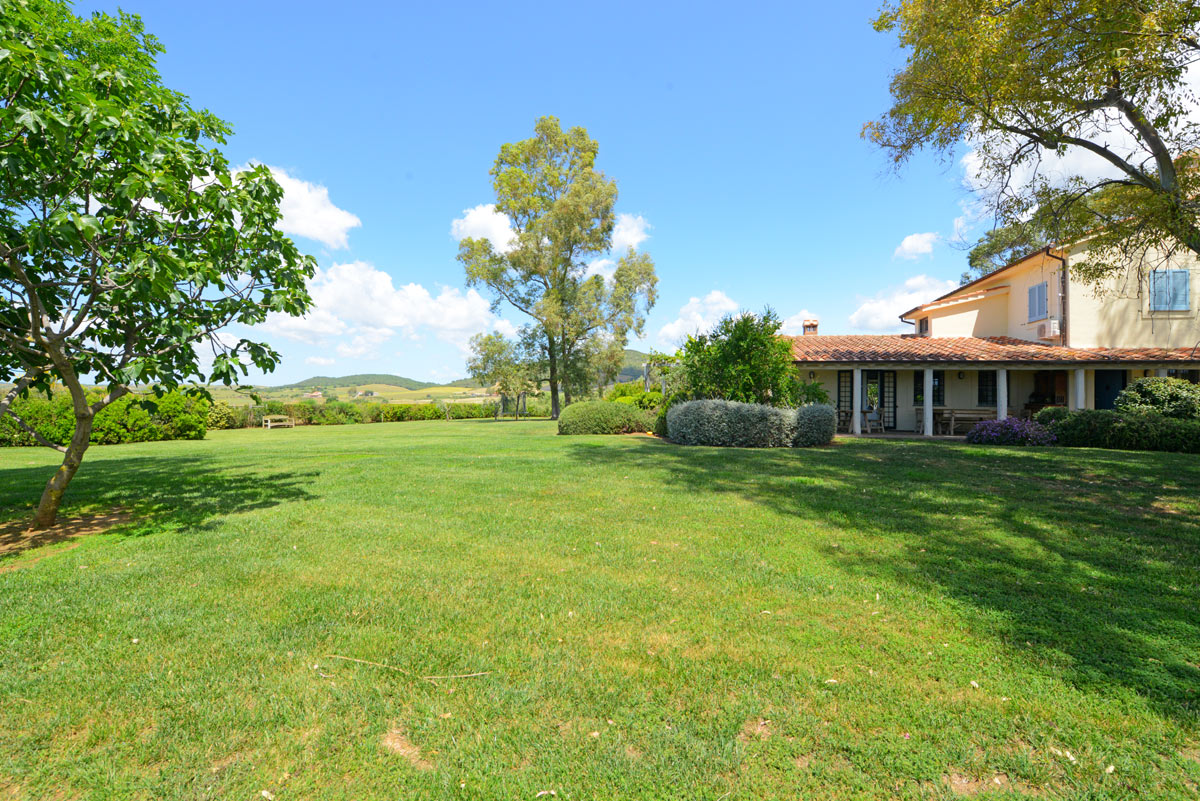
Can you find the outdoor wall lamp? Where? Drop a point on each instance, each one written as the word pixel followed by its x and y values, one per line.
pixel 812 374
pixel 961 375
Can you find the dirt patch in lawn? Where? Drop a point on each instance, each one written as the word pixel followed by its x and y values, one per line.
pixel 755 729
pixel 398 743
pixel 16 535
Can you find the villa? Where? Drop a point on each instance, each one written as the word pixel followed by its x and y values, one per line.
pixel 1021 338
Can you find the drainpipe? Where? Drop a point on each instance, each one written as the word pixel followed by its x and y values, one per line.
pixel 1065 290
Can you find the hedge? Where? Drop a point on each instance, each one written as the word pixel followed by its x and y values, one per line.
pixel 816 424
pixel 603 417
pixel 732 424
pixel 128 419
pixel 1132 430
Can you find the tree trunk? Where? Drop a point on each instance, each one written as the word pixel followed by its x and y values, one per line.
pixel 553 359
pixel 47 511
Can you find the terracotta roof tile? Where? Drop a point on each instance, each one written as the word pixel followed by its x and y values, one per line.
pixel 908 348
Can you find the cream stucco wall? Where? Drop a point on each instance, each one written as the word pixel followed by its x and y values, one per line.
pixel 1117 314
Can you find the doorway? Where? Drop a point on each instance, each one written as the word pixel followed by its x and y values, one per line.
pixel 1109 384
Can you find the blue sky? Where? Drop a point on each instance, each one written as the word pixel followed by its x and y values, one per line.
pixel 732 131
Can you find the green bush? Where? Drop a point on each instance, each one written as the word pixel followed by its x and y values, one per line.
pixel 1051 414
pixel 660 419
pixel 337 413
pixel 602 417
pixel 816 424
pixel 303 412
pixel 220 416
pixel 1127 430
pixel 742 359
pixel 127 419
pixel 731 424
pixel 1170 397
pixel 628 400
pixel 624 389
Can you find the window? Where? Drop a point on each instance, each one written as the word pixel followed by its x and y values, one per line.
pixel 1169 290
pixel 923 326
pixel 987 388
pixel 939 388
pixel 1038 307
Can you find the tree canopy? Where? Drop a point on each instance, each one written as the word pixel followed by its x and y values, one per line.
pixel 561 211
pixel 742 359
pixel 1030 86
pixel 127 241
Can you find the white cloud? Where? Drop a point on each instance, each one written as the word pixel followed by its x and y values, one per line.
pixel 629 232
pixel 504 328
pixel 697 315
pixel 795 324
pixel 359 303
pixel 483 221
pixel 320 361
pixel 605 268
pixel 882 312
pixel 308 212
pixel 915 246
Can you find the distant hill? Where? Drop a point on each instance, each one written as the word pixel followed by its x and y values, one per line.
pixel 363 378
pixel 631 365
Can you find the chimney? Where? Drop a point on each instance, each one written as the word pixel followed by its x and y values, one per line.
pixel 810 328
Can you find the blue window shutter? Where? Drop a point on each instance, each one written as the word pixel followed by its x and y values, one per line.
pixel 1033 302
pixel 1179 290
pixel 1044 308
pixel 1159 300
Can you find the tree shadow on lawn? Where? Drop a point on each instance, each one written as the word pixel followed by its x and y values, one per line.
pixel 1083 559
pixel 159 493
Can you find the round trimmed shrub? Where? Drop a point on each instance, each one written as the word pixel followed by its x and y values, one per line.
pixel 602 417
pixel 220 416
pixel 816 424
pixel 1052 414
pixel 731 424
pixel 1170 397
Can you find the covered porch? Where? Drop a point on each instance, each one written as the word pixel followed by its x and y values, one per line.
pixel 944 386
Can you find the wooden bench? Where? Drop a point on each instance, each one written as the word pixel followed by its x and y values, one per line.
pixel 278 421
pixel 952 418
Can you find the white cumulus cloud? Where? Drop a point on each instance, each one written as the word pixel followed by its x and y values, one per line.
pixel 307 211
pixel 914 246
pixel 795 324
pixel 882 312
pixel 320 361
pixel 697 315
pixel 357 308
pixel 483 221
pixel 629 232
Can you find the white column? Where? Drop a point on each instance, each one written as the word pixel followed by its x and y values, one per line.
pixel 1161 373
pixel 928 395
pixel 856 403
pixel 1080 388
pixel 1001 394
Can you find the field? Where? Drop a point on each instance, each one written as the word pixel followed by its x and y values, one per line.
pixel 384 393
pixel 601 617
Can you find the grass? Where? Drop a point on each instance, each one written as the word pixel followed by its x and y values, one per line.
pixel 877 620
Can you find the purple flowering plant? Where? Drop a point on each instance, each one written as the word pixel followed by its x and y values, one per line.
pixel 1010 431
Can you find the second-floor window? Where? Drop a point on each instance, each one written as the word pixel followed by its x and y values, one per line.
pixel 923 326
pixel 1169 290
pixel 1038 301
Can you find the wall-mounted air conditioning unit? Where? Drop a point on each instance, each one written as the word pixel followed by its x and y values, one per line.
pixel 1048 329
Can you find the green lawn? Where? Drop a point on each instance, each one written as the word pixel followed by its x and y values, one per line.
pixel 877 619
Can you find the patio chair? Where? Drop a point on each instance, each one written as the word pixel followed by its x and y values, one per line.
pixel 872 421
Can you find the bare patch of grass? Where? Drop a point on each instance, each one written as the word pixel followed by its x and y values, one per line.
pixel 397 742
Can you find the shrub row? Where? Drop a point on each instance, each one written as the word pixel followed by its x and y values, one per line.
pixel 603 417
pixel 333 413
pixel 128 419
pixel 1124 430
pixel 631 392
pixel 750 425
